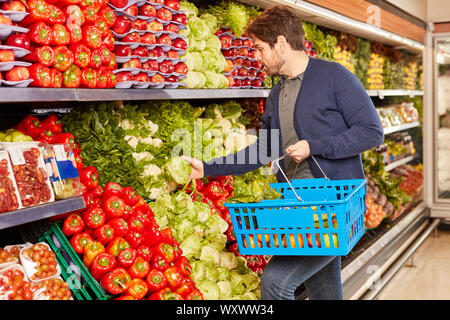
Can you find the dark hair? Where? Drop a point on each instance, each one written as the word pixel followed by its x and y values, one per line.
pixel 278 21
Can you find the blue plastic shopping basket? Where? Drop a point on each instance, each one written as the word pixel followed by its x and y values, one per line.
pixel 328 219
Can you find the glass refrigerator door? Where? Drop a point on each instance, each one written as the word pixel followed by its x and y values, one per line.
pixel 442 116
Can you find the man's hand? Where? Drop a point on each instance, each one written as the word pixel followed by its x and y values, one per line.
pixel 299 151
pixel 197 167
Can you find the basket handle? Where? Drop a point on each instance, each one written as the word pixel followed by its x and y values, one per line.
pixel 285 177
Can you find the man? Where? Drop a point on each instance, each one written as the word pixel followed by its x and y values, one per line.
pixel 320 109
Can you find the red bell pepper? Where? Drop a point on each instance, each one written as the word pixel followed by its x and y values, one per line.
pixel 104 234
pixel 231 236
pixel 212 190
pixel 145 220
pixel 39 11
pixel 44 55
pixel 113 206
pixel 89 176
pixel 125 297
pixel 165 294
pixel 79 241
pixel 112 189
pixel 194 295
pixel 116 245
pixel 165 250
pixel 110 76
pixel 74 15
pixel 67 138
pixel 94 217
pixel 105 55
pixel 46 136
pixel 56 78
pixel 126 257
pixel 92 37
pixel 33 127
pixel 183 265
pixel 139 269
pixel 145 252
pixel 56 15
pixel 53 124
pixel 97 191
pixel 167 234
pixel 81 53
pixel 73 224
pixel 91 250
pixel 88 198
pixel 129 196
pixel 259 271
pixel 40 75
pixel 220 203
pixel 88 78
pixel 72 77
pixel 76 148
pixel 102 263
pixel 127 213
pixel 96 59
pixel 90 14
pixel 152 235
pixel 101 25
pixel 135 224
pixel 108 41
pixel 102 79
pixel 186 287
pixel 156 280
pixel 107 13
pixel 234 248
pixel 158 262
pixel 113 63
pixel 138 289
pixel 120 226
pixel 61 36
pixel 135 239
pixel 116 281
pixel 40 33
pixel 177 252
pixel 141 206
pixel 173 276
pixel 75 33
pixel 63 58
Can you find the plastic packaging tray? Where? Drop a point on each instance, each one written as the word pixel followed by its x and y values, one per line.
pixel 15 16
pixel 17 84
pixel 16 153
pixel 6 66
pixel 4 294
pixel 8 182
pixel 18 52
pixel 6 30
pixel 30 266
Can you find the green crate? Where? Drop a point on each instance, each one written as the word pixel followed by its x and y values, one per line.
pixel 84 287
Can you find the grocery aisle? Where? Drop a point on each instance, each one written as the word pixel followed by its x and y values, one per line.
pixel 428 277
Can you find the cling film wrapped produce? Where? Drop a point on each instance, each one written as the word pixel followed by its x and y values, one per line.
pixel 63 173
pixel 9 196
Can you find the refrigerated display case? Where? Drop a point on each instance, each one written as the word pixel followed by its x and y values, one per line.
pixel 373 260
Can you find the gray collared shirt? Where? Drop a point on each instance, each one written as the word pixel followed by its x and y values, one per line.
pixel 288 96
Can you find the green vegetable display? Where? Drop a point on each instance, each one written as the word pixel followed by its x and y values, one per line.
pixel 217 273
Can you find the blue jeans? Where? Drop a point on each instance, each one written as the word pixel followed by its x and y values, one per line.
pixel 320 274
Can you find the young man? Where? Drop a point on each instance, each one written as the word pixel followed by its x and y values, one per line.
pixel 320 109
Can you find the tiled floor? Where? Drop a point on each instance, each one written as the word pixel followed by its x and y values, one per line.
pixel 429 278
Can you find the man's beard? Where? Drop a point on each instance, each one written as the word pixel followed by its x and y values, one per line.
pixel 275 69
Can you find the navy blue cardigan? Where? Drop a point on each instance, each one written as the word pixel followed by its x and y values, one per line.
pixel 333 113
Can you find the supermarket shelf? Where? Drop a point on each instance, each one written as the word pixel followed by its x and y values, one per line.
pixel 402 127
pixel 22 216
pixel 398 163
pixel 394 93
pixel 330 19
pixel 358 275
pixel 47 95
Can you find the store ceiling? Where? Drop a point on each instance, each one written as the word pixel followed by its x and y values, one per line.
pixel 426 10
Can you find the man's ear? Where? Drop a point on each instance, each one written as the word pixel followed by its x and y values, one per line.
pixel 282 44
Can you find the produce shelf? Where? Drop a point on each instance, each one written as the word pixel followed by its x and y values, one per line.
pixel 18 217
pixel 394 93
pixel 398 163
pixel 330 19
pixel 47 95
pixel 405 126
